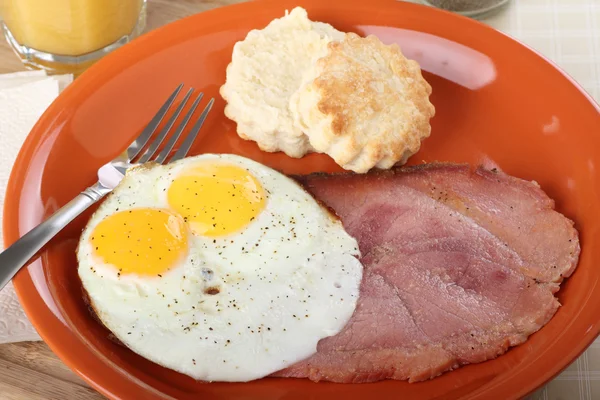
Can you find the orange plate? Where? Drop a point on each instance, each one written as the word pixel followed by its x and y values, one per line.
pixel 496 101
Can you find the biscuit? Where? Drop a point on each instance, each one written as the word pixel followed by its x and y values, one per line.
pixel 265 70
pixel 364 104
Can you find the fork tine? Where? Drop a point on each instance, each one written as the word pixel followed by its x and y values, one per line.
pixel 161 136
pixel 171 143
pixel 138 144
pixel 187 143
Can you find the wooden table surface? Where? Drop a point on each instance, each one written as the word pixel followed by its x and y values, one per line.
pixel 29 370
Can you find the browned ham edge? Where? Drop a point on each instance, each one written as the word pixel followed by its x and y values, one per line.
pixel 460 264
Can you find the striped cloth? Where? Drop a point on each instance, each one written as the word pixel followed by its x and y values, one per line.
pixel 565 31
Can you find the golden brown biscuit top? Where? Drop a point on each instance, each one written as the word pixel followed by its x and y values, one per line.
pixel 369 96
pixel 355 76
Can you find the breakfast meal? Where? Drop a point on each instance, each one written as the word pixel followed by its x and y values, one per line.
pixel 223 269
pixel 300 86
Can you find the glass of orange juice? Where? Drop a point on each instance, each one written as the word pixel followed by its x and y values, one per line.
pixel 67 36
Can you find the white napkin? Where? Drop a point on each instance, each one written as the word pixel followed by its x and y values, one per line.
pixel 23 98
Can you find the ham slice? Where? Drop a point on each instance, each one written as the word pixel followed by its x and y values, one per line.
pixel 460 264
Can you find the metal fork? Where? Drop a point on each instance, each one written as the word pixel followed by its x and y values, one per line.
pixel 109 175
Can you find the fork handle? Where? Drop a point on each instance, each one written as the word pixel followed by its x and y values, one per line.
pixel 19 253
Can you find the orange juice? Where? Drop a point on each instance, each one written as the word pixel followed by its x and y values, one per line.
pixel 69 27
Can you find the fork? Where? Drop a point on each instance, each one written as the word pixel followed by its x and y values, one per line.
pixel 19 253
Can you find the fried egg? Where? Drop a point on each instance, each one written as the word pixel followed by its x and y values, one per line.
pixel 218 267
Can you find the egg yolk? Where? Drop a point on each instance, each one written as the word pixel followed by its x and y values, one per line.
pixel 142 241
pixel 216 199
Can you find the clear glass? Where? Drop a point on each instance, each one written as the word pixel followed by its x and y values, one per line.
pixel 469 8
pixel 67 36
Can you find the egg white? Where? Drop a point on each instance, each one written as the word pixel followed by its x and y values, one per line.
pixel 280 290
